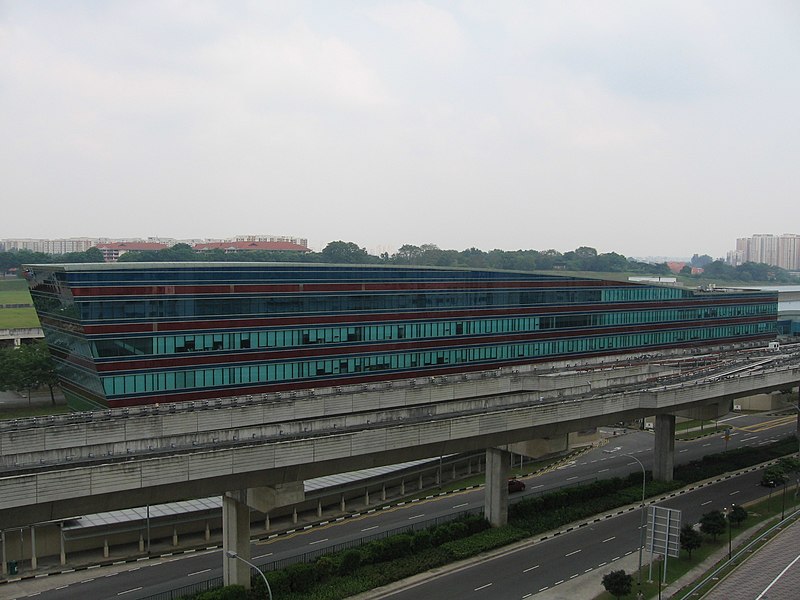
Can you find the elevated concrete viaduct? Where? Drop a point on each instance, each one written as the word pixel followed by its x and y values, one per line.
pixel 323 435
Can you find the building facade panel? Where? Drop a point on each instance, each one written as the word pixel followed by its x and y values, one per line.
pixel 139 333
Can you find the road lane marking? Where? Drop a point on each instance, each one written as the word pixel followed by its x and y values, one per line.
pixel 262 556
pixel 544 588
pixel 537 486
pixel 573 477
pixel 602 470
pixel 559 582
pixel 684 450
pixel 317 541
pixel 368 528
pixel 129 591
pixel 608 539
pixel 573 552
pixel 483 587
pixel 587 570
pixel 704 445
pixel 416 516
pixel 198 572
pixel 601 564
pixel 704 503
pixel 615 558
pixel 531 568
pixel 87 580
pixel 732 493
pixel 460 505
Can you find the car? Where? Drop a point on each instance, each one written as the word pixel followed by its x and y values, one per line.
pixel 515 485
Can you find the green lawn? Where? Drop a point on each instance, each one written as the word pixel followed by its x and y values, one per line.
pixel 14 291
pixel 14 318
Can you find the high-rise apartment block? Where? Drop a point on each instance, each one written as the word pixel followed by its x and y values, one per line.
pixel 777 250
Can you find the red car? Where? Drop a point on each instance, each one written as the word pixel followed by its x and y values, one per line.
pixel 515 485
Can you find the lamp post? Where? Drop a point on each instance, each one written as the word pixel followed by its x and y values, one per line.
pixel 232 554
pixel 641 527
pixel 728 514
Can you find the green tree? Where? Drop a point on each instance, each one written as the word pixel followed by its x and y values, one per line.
pixel 690 539
pixel 27 368
pixel 712 523
pixel 737 515
pixel 618 583
pixel 345 252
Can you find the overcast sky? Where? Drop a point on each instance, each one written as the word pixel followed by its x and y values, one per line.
pixel 645 128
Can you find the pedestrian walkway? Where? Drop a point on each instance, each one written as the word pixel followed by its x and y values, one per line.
pixel 771 573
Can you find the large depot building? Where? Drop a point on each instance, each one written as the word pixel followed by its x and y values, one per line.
pixel 136 333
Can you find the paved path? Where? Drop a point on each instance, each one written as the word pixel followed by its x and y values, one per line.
pixel 772 573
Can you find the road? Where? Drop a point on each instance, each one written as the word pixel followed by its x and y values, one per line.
pixel 517 574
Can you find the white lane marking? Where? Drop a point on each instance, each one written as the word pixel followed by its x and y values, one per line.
pixel 705 445
pixel 601 564
pixel 750 438
pixel 317 541
pixel 62 587
pixel 87 580
pixel 262 556
pixel 483 587
pixel 460 505
pixel 574 576
pixel 608 539
pixel 129 591
pixel 559 582
pixel 198 572
pixel 684 450
pixel 416 516
pixel 602 470
pixel 615 558
pixel 573 477
pixel 527 596
pixel 368 528
pixel 704 503
pixel 531 568
pixel 587 570
pixel 537 486
pixel 732 493
pixel 781 574
pixel 573 552
pixel 544 588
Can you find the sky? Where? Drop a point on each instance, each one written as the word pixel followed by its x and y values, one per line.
pixel 642 127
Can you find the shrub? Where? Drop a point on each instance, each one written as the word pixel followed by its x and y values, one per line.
pixel 351 560
pixel 230 592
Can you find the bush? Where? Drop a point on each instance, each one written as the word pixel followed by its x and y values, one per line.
pixel 230 592
pixel 351 560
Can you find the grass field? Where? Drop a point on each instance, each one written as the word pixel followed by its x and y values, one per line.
pixel 15 291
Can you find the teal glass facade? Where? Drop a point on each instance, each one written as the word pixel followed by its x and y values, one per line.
pixel 137 333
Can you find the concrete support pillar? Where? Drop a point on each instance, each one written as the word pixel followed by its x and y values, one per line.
pixel 208 531
pixel 496 491
pixel 366 497
pixel 236 538
pixel 319 508
pixel 664 448
pixel 402 487
pixel 342 505
pixel 469 466
pixel 266 522
pixel 141 543
pixel 383 493
pixel 63 545
pixel 454 472
pixel 420 481
pixel 105 548
pixel 174 536
pixel 294 515
pixel 34 558
pixel 4 568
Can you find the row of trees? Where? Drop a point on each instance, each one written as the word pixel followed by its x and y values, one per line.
pixel 713 523
pixel 584 258
pixel 27 368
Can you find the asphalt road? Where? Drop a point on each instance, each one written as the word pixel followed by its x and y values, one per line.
pixel 513 576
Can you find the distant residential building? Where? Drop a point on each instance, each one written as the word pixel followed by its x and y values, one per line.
pixel 113 250
pixel 271 238
pixel 59 246
pixel 250 246
pixel 776 250
pixel 676 266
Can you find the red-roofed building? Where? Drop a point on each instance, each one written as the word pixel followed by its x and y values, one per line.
pixel 249 246
pixel 113 250
pixel 676 267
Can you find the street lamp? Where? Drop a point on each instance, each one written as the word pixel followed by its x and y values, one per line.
pixel 728 518
pixel 232 554
pixel 641 528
